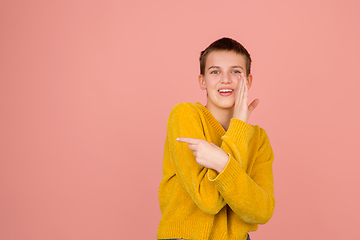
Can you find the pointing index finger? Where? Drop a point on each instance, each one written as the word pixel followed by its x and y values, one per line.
pixel 188 140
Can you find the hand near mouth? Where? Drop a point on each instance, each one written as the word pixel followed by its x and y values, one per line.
pixel 242 110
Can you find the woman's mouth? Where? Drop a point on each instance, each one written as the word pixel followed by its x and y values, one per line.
pixel 225 92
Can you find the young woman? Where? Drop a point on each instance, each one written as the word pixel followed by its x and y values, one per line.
pixel 217 180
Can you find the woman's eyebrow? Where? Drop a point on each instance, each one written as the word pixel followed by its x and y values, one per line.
pixel 213 67
pixel 237 67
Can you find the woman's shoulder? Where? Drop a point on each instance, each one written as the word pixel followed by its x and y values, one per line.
pixel 184 117
pixel 260 136
pixel 259 130
pixel 184 108
pixel 185 112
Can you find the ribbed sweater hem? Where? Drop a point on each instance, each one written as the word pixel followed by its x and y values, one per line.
pixel 184 229
pixel 193 231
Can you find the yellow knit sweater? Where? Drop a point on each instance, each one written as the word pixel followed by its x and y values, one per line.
pixel 197 203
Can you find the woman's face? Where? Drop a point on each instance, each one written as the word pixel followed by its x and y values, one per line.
pixel 221 77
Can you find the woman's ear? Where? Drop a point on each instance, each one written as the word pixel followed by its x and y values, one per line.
pixel 249 81
pixel 202 82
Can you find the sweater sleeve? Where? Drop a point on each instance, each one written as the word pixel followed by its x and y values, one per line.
pixel 184 121
pixel 251 197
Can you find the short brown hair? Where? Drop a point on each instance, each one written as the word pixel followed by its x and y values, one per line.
pixel 225 44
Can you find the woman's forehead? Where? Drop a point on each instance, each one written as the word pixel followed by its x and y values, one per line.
pixel 225 59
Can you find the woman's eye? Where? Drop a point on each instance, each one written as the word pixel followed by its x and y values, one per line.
pixel 214 72
pixel 236 71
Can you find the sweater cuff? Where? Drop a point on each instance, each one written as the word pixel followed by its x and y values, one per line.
pixel 240 130
pixel 226 178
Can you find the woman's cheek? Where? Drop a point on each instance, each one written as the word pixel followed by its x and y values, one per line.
pixel 214 80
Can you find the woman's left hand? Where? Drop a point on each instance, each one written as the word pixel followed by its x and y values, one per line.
pixel 207 154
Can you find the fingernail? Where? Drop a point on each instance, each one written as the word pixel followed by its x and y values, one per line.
pixel 177 139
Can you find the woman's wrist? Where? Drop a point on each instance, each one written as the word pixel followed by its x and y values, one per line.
pixel 222 163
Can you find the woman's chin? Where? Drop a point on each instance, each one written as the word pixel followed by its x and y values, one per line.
pixel 228 105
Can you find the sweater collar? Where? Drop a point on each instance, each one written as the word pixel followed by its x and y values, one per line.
pixel 212 120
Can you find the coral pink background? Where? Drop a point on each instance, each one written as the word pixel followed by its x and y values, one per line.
pixel 86 88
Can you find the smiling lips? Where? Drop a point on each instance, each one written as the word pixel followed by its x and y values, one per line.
pixel 225 92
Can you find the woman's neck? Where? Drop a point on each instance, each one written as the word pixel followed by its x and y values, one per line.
pixel 222 115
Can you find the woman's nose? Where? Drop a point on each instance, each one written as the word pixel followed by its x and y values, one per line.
pixel 225 78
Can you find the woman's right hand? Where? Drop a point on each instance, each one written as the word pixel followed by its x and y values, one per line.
pixel 242 110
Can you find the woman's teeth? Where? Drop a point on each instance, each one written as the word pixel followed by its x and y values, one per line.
pixel 225 90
